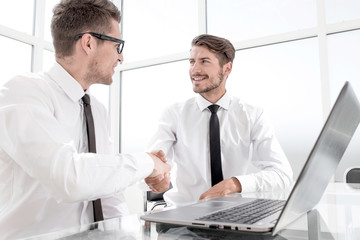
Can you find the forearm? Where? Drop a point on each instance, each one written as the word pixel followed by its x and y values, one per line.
pixel 44 151
pixel 265 180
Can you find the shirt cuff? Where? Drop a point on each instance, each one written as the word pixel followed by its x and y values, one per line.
pixel 248 183
pixel 145 165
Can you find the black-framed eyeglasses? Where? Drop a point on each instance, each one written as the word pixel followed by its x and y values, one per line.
pixel 119 48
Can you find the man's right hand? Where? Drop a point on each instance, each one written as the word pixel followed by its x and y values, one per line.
pixel 159 180
pixel 160 166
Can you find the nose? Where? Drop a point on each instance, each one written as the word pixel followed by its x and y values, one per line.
pixel 194 68
pixel 120 58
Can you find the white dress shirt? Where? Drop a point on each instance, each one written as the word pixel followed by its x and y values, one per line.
pixel 246 137
pixel 46 179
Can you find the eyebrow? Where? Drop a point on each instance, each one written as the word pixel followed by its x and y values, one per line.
pixel 203 58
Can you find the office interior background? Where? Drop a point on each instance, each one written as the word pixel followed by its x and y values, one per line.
pixel 292 58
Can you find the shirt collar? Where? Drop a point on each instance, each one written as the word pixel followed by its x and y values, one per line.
pixel 70 86
pixel 224 102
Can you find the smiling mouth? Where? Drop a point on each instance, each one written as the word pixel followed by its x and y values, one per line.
pixel 198 78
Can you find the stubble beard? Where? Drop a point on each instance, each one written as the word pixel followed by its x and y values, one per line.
pixel 93 74
pixel 212 86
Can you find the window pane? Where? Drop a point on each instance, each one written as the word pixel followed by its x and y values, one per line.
pixel 15 58
pixel 49 5
pixel 242 19
pixel 342 10
pixel 284 80
pixel 157 28
pixel 146 92
pixel 344 58
pixel 16 17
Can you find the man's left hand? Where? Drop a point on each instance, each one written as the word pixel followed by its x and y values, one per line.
pixel 227 186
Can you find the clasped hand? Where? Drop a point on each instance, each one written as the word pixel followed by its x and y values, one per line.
pixel 159 180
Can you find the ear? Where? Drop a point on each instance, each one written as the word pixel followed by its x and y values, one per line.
pixel 87 43
pixel 227 68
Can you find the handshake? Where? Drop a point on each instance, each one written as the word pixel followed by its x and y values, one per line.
pixel 159 180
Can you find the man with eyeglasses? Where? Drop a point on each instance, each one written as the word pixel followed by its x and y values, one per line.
pixel 48 178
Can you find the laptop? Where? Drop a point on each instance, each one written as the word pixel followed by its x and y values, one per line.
pixel 306 193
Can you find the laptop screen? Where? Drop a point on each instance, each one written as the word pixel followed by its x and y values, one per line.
pixel 324 157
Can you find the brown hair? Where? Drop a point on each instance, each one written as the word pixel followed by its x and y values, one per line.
pixel 223 48
pixel 72 17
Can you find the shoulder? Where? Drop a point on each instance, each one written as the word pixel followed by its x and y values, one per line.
pixel 177 110
pixel 179 107
pixel 27 80
pixel 241 106
pixel 27 88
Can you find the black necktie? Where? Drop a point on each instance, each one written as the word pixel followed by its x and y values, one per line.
pixel 215 150
pixel 98 214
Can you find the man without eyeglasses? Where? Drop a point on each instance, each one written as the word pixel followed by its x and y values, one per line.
pixel 208 168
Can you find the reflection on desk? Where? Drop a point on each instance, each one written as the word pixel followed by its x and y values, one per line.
pixel 339 215
pixel 338 218
pixel 165 232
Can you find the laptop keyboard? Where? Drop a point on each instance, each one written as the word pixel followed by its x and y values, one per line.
pixel 247 213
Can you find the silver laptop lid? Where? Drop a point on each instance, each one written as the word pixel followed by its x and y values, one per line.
pixel 324 157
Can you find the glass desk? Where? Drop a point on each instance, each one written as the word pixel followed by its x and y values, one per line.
pixel 337 216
